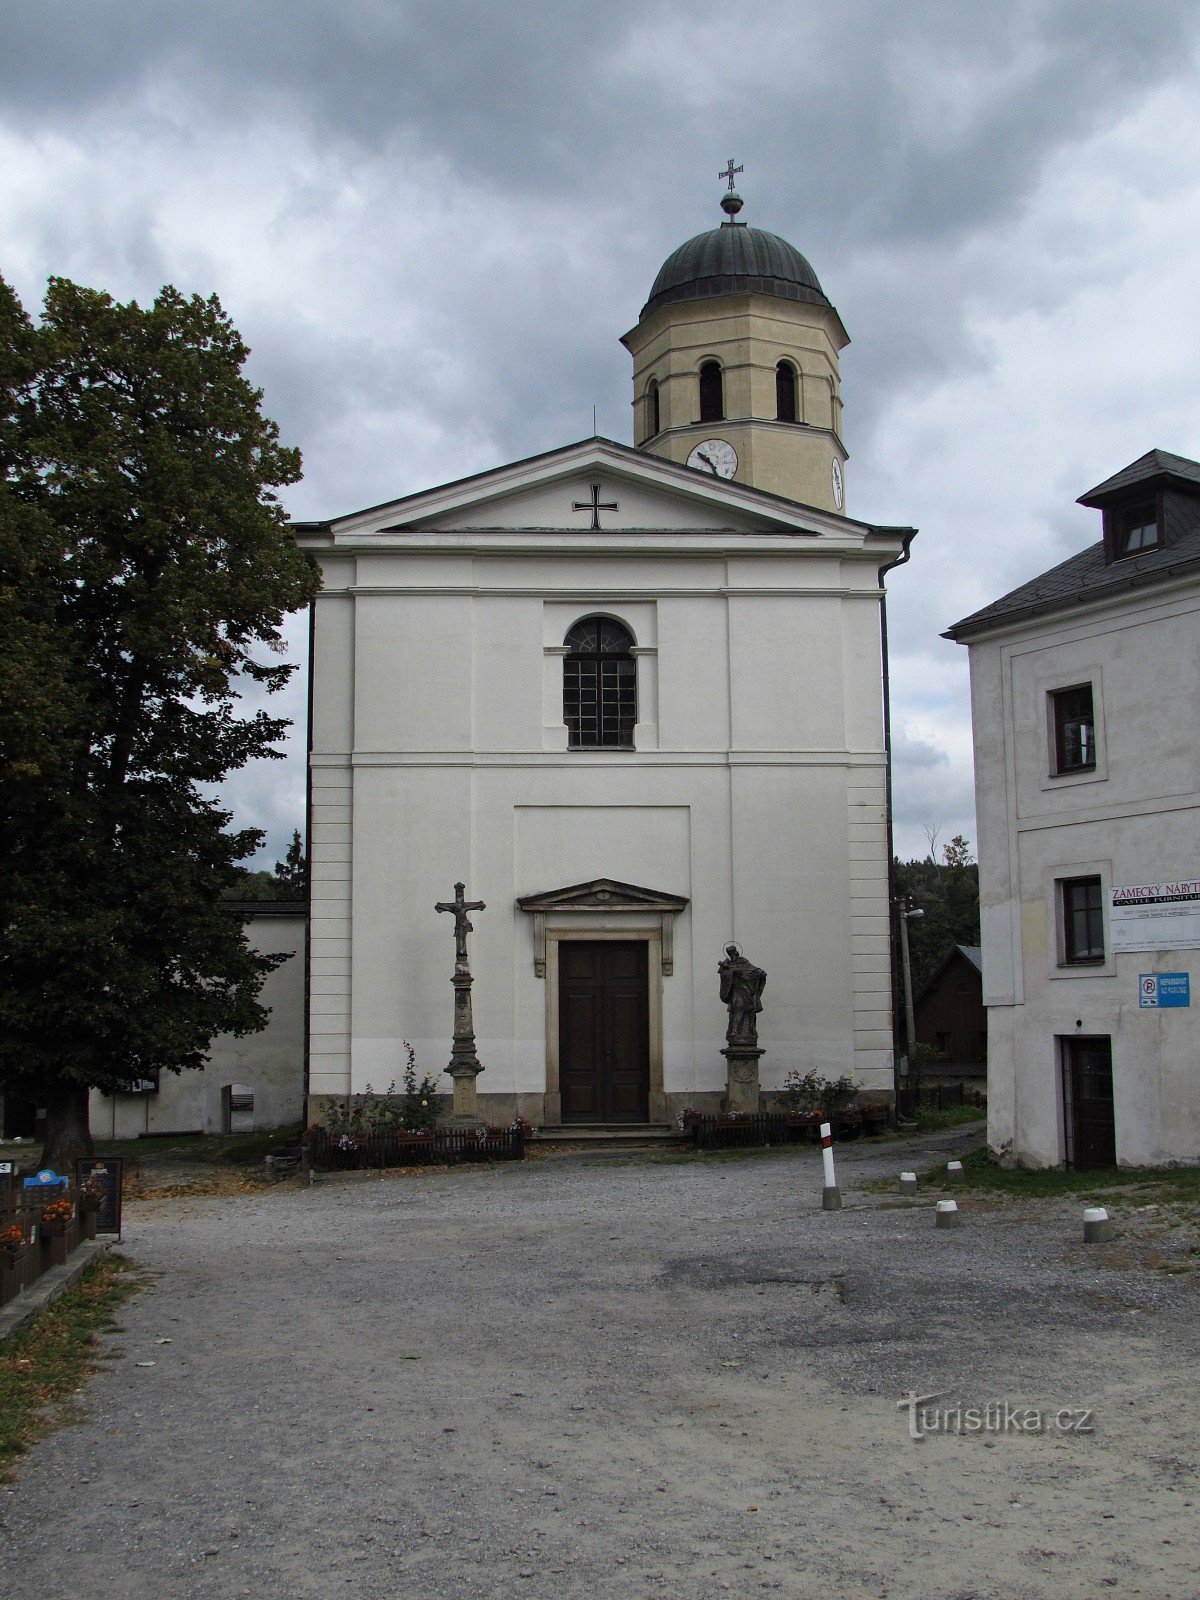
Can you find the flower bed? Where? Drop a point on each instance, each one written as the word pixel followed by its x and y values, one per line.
pixel 346 1152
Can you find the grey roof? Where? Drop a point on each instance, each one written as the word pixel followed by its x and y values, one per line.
pixel 1147 469
pixel 1083 578
pixel 734 259
pixel 974 955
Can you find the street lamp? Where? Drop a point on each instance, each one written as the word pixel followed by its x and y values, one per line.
pixel 907 914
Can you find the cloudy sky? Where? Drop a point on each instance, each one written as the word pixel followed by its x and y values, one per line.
pixel 432 219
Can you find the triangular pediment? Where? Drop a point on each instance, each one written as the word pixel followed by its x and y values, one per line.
pixel 583 492
pixel 602 894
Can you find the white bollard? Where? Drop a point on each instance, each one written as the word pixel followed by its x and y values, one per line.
pixel 954 1171
pixel 831 1200
pixel 948 1214
pixel 1097 1227
pixel 908 1183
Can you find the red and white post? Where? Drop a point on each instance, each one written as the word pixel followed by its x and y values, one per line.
pixel 831 1199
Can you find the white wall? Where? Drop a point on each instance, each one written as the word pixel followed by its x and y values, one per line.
pixel 270 1063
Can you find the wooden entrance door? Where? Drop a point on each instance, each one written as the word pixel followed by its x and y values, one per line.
pixel 1088 1095
pixel 604 1031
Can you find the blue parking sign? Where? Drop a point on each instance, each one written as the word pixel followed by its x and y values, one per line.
pixel 1163 989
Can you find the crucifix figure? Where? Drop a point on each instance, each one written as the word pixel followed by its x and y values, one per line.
pixel 729 173
pixel 595 505
pixel 462 923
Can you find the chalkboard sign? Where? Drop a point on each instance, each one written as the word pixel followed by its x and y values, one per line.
pixel 109 1171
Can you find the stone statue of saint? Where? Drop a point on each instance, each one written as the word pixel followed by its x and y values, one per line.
pixel 742 984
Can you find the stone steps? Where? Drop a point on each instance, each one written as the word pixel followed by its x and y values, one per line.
pixel 611 1134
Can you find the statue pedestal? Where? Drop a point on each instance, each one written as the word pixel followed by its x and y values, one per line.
pixel 741 1078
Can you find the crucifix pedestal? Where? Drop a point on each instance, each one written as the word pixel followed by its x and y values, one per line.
pixel 465 1065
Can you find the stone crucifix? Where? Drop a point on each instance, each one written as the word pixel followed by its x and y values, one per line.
pixel 462 923
pixel 465 1065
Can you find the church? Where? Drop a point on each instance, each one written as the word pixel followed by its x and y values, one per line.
pixel 634 698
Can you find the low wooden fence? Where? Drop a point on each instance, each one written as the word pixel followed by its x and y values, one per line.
pixel 34 1237
pixel 444 1146
pixel 726 1132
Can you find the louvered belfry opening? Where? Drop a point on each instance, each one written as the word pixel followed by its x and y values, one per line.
pixel 599 685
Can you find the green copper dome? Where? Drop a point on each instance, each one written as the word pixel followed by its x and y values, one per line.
pixel 734 259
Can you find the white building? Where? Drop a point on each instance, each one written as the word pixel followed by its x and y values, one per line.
pixel 633 698
pixel 1087 774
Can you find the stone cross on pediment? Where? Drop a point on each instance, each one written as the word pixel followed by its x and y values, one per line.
pixel 595 505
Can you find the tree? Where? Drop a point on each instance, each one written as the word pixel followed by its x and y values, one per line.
pixel 948 894
pixel 145 564
pixel 289 881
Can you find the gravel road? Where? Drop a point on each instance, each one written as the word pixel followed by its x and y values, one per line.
pixel 625 1377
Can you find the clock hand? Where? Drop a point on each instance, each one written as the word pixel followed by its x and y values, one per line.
pixel 707 460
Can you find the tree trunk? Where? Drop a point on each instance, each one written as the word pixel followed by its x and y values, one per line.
pixel 68 1137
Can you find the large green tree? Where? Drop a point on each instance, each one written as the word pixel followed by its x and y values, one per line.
pixel 145 573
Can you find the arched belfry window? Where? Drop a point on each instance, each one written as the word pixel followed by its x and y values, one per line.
pixel 653 411
pixel 712 392
pixel 785 392
pixel 599 685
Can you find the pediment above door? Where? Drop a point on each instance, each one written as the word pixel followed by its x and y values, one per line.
pixel 600 897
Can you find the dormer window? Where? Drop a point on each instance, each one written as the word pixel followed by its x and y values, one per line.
pixel 1136 528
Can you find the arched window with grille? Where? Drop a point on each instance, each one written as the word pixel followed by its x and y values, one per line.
pixel 785 392
pixel 712 392
pixel 599 685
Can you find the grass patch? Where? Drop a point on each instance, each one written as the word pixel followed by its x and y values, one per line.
pixel 929 1119
pixel 980 1171
pixel 43 1365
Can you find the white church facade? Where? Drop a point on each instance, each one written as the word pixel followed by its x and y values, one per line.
pixel 634 699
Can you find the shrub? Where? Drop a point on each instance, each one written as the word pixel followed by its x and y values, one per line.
pixel 356 1121
pixel 808 1092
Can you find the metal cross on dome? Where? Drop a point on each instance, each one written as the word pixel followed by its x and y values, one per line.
pixel 729 172
pixel 595 505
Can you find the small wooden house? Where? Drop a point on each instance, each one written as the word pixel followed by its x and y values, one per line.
pixel 949 1014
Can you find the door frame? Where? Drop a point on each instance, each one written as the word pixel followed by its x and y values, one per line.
pixel 633 933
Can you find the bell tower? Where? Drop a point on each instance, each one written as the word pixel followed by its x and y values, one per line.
pixel 735 364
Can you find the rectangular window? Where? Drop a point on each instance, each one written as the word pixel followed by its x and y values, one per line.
pixel 1074 730
pixel 1082 920
pixel 1137 529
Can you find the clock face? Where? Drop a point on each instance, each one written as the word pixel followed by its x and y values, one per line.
pixel 838 486
pixel 716 456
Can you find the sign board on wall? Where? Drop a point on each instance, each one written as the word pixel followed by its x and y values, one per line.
pixel 1163 989
pixel 1155 916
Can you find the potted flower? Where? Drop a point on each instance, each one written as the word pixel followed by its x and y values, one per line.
pixel 56 1219
pixel 91 1198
